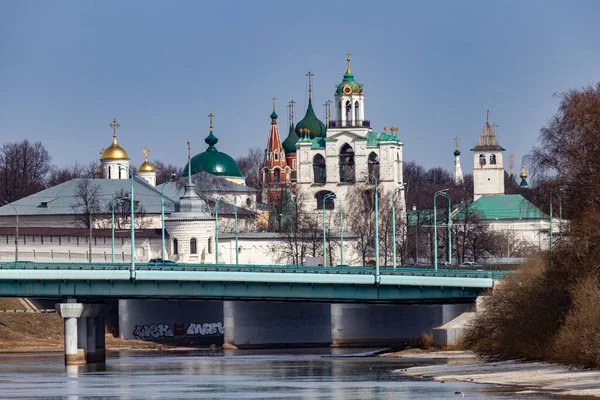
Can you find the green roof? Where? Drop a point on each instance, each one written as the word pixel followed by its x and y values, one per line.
pixel 289 144
pixel 373 138
pixel 349 81
pixel 214 162
pixel 310 121
pixel 318 143
pixel 503 206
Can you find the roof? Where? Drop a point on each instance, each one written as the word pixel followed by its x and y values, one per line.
pixel 350 83
pixel 487 140
pixel 311 122
pixel 209 184
pixel 289 144
pixel 47 231
pixel 503 206
pixel 114 151
pixel 318 143
pixel 60 199
pixel 373 138
pixel 213 161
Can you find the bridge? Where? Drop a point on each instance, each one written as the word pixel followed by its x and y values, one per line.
pixel 242 282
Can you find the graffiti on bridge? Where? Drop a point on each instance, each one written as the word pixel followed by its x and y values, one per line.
pixel 157 331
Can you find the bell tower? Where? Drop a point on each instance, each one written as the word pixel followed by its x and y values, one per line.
pixel 488 165
pixel 349 102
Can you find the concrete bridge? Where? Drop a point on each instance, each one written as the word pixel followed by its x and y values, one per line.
pixel 255 301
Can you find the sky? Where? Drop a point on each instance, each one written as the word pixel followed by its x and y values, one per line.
pixel 431 68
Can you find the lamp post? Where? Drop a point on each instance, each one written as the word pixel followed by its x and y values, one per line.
pixel 396 190
pixel 163 250
pixel 113 226
pixel 435 251
pixel 217 230
pixel 327 196
pixel 341 233
pixel 17 230
pixel 554 193
pixel 236 234
pixel 376 227
pixel 132 206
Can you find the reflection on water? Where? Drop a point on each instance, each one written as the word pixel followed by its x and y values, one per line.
pixel 295 374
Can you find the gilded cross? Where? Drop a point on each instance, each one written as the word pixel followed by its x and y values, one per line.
pixel 292 102
pixel 494 126
pixel 511 159
pixel 146 151
pixel 114 125
pixel 273 99
pixel 385 128
pixel 487 115
pixel 211 115
pixel 348 55
pixel 456 141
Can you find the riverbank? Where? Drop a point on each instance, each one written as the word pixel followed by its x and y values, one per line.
pixel 532 377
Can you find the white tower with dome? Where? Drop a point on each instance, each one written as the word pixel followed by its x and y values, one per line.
pixel 114 160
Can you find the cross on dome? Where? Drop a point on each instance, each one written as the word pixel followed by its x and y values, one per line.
pixel 146 151
pixel 348 56
pixel 310 74
pixel 114 124
pixel 211 115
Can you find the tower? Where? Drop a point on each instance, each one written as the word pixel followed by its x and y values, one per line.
pixel 146 170
pixel 488 166
pixel 275 174
pixel 114 160
pixel 458 174
pixel 523 176
pixel 349 102
pixel 289 144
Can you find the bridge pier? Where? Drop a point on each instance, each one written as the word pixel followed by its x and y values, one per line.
pixel 84 332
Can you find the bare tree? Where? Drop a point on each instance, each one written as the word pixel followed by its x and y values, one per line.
pixel 59 175
pixel 165 171
pixel 250 166
pixel 86 201
pixel 23 169
pixel 361 218
pixel 123 212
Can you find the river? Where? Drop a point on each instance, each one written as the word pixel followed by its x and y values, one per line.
pixel 257 374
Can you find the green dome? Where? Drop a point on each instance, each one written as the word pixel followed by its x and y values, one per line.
pixel 273 115
pixel 310 121
pixel 289 144
pixel 456 152
pixel 214 162
pixel 349 81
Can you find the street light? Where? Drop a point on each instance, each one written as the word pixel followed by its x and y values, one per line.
pixel 396 190
pixel 435 250
pixel 163 250
pixel 236 235
pixel 376 227
pixel 113 225
pixel 132 206
pixel 217 230
pixel 554 193
pixel 17 230
pixel 327 196
pixel 341 233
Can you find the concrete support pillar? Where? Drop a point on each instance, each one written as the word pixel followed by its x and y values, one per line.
pixel 82 335
pixel 229 322
pixel 90 347
pixel 100 340
pixel 72 353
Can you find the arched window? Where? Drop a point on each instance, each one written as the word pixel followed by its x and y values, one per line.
pixel 249 202
pixel 329 203
pixel 193 246
pixel 109 171
pixel 347 167
pixel 235 200
pixel 374 165
pixel 210 245
pixel 319 170
pixel 482 159
pixel 348 113
pixel 119 173
pixel 277 175
pixel 265 175
pixel 175 246
pixel 356 114
pixel 493 159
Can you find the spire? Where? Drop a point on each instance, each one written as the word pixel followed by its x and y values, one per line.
pixel 511 160
pixel 348 55
pixel 273 114
pixel 458 174
pixel 211 139
pixel 487 140
pixel 274 155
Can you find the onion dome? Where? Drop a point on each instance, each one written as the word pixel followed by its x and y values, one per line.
pixel 311 122
pixel 146 166
pixel 213 161
pixel 456 153
pixel 349 85
pixel 273 115
pixel 289 144
pixel 114 151
pixel 98 170
pixel 523 176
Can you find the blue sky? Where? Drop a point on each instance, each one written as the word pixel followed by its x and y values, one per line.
pixel 431 68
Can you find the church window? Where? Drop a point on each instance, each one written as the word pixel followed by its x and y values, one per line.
pixel 59 240
pixel 276 156
pixel 319 170
pixel 268 156
pixel 25 239
pixel 210 245
pixel 374 165
pixel 493 159
pixel 294 164
pixel 175 246
pixel 193 246
pixel 356 114
pixel 109 174
pixel 77 240
pixel 347 165
pixel 329 203
pixel 277 175
pixel 348 113
pixel 235 200
pixel 249 202
pixel 95 241
pixel 119 173
pixel 482 159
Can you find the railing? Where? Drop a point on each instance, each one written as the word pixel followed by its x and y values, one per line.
pixel 292 269
pixel 348 124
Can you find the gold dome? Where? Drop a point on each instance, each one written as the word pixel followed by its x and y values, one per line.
pixel 146 166
pixel 114 151
pixel 98 170
pixel 523 174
